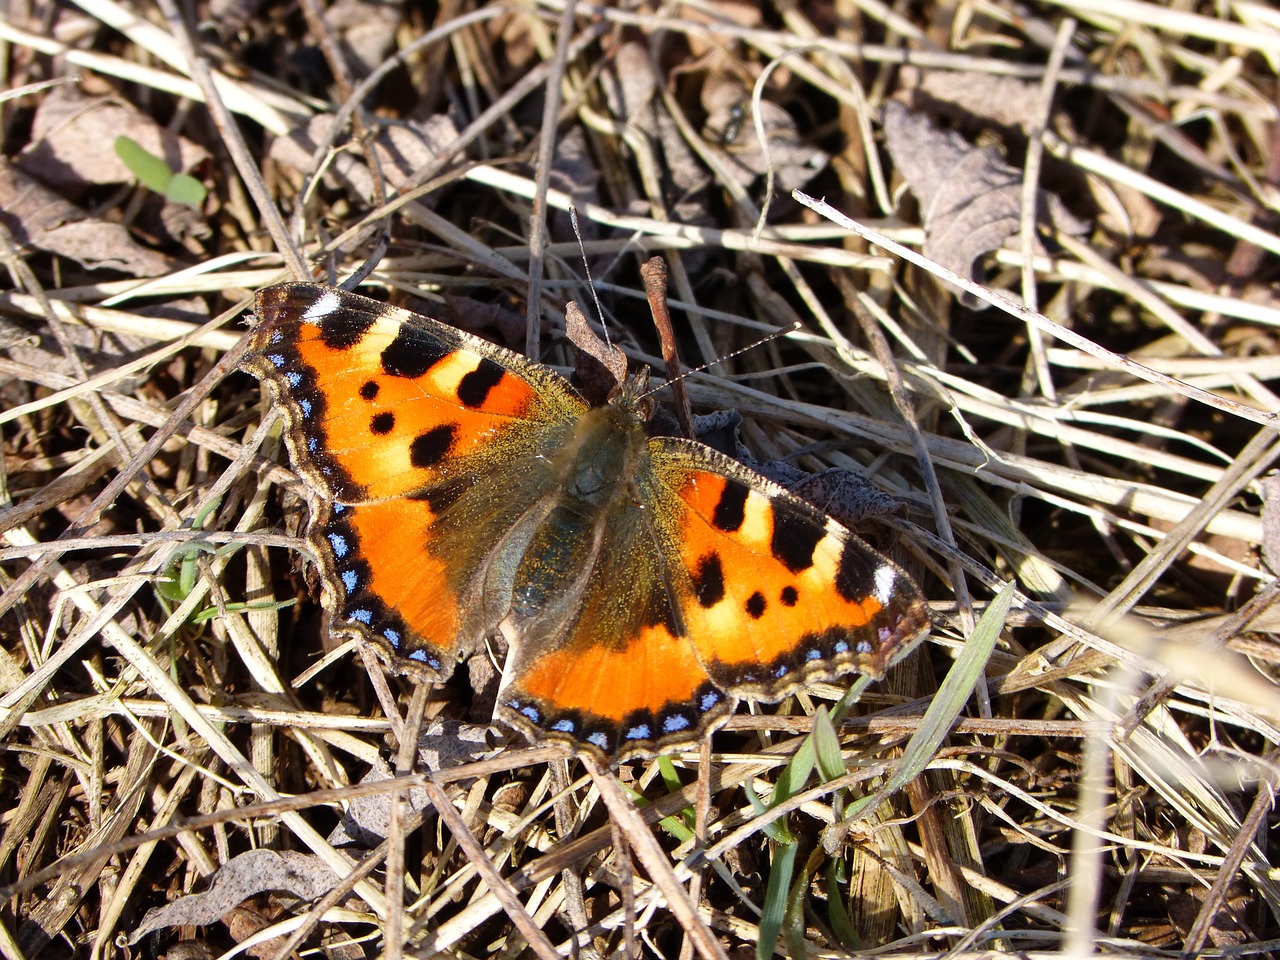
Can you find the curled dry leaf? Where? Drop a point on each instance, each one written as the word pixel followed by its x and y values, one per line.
pixel 574 172
pixel 73 142
pixel 367 29
pixel 970 199
pixel 38 217
pixel 846 495
pixel 600 366
pixel 972 95
pixel 402 149
pixel 443 744
pixel 730 127
pixel 303 875
pixel 630 88
pixel 490 320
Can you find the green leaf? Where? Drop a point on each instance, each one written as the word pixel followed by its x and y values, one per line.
pixel 157 176
pixel 777 829
pixel 837 913
pixel 794 775
pixel 826 746
pixel 186 189
pixel 775 898
pixel 947 703
pixel 151 171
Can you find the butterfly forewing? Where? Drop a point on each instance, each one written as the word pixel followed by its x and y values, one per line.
pixel 384 402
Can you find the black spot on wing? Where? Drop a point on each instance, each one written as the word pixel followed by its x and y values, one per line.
pixel 473 389
pixel 428 449
pixel 708 580
pixel 855 577
pixel 731 509
pixel 343 329
pixel 658 612
pixel 412 353
pixel 442 496
pixel 755 605
pixel 795 537
pixel 369 389
pixel 789 596
pixel 382 423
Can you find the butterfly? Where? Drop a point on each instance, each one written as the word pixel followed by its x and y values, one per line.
pixel 644 583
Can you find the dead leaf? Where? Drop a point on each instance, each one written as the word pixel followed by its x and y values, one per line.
pixel 444 743
pixel 491 319
pixel 973 95
pixel 970 199
pixel 574 171
pixel 303 875
pixel 73 142
pixel 846 495
pixel 367 29
pixel 600 366
pixel 40 218
pixel 730 127
pixel 630 86
pixel 402 149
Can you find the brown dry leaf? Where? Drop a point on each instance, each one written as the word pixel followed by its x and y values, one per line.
pixel 630 87
pixel 730 127
pixel 629 83
pixel 303 875
pixel 601 366
pixel 970 199
pixel 74 141
pixel 38 217
pixel 492 320
pixel 444 743
pixel 575 173
pixel 972 95
pixel 402 149
pixel 367 29
pixel 846 495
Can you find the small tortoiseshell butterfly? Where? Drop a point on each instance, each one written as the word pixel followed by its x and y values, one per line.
pixel 645 583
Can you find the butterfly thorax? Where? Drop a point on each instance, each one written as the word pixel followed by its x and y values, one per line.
pixel 607 447
pixel 600 468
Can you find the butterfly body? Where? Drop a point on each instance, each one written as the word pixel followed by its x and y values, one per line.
pixel 644 583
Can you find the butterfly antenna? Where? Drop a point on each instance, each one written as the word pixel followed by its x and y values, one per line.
pixel 591 284
pixel 777 334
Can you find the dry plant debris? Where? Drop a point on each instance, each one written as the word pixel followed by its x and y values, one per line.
pixel 181 747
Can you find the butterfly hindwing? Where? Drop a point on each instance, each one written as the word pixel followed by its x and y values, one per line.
pixel 778 593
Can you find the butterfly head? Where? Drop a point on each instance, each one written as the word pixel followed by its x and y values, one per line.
pixel 633 394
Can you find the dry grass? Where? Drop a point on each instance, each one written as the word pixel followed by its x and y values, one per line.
pixel 1109 784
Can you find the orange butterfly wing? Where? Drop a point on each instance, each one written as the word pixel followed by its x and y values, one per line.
pixel 754 594
pixel 390 414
